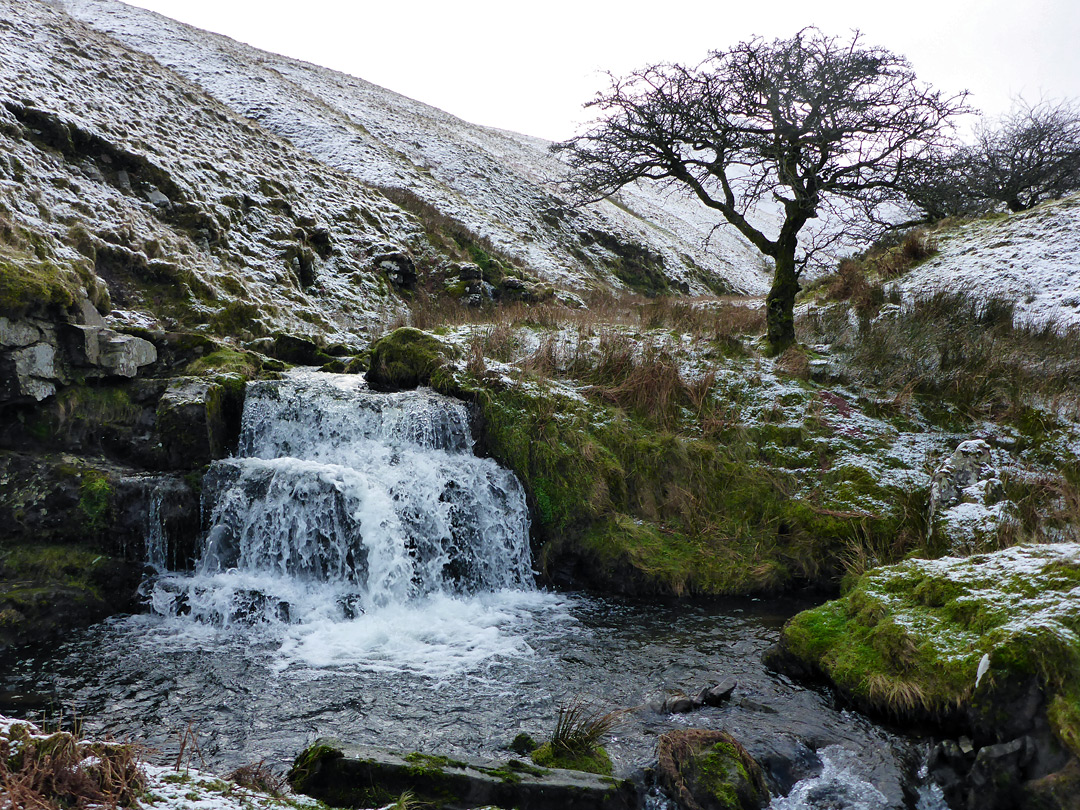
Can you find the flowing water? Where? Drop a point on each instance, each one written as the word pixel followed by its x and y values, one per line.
pixel 365 576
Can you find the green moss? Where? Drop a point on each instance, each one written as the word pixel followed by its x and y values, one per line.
pixel 424 763
pixel 651 510
pixel 226 361
pixel 406 358
pixel 238 318
pixel 722 770
pixel 307 764
pixel 907 640
pixel 95 501
pixel 31 285
pixel 596 761
pixel 67 565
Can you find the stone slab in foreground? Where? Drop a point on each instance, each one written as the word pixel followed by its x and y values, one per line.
pixel 346 775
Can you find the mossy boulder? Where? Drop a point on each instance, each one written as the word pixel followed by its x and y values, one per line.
pixel 710 770
pixel 987 646
pixel 908 639
pixel 406 358
pixel 344 775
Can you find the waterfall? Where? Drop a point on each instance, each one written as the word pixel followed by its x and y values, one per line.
pixel 342 500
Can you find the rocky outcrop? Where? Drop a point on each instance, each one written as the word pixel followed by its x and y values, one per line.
pixel 345 775
pixel 967 500
pixel 76 535
pixel 710 770
pixel 191 420
pixel 38 356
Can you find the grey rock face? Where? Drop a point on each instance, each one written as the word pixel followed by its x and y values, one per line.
pixel 969 466
pixel 37 356
pixel 966 499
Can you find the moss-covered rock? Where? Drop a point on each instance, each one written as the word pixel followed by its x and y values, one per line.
pixel 985 646
pixel 595 760
pixel 344 775
pixel 406 358
pixel 710 770
pixel 47 590
pixel 908 640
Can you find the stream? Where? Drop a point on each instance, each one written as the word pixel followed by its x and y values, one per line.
pixel 365 576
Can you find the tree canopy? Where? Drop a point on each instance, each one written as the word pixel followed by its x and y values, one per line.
pixel 811 125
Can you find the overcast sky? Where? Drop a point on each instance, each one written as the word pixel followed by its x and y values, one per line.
pixel 530 67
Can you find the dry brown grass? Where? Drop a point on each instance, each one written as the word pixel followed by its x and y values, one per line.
pixel 59 771
pixel 898 696
pixel 259 776
pixel 794 362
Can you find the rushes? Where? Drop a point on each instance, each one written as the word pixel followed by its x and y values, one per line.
pixel 579 730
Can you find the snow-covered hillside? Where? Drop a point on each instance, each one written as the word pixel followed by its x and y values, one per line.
pixel 1031 259
pixel 498 184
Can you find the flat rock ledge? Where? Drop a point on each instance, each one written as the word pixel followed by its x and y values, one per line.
pixel 347 775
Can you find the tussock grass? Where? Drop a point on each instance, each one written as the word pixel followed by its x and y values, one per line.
pixel 577 741
pixel 580 729
pixel 972 353
pixel 261 777
pixel 59 771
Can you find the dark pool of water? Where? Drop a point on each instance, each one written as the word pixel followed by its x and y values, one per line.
pixel 246 697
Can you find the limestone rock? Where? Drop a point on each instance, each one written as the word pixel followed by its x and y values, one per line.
pixel 123 355
pixel 191 422
pixel 966 499
pixel 32 372
pixel 38 356
pixel 17 334
pixel 710 770
pixel 398 267
pixel 365 776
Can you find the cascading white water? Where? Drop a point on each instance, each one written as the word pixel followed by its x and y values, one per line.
pixel 342 501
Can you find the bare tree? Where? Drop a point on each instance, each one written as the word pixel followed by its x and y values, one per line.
pixel 1030 155
pixel 816 124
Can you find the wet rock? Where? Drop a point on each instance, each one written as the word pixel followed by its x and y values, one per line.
pixel 718 694
pixel 364 776
pixel 678 704
pixel 996 774
pixel 710 770
pixel 786 760
pixel 191 422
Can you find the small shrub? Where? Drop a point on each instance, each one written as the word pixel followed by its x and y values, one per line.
pixel 57 770
pixel 259 776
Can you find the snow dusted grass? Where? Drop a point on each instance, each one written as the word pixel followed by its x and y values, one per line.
pixel 907 640
pixel 60 770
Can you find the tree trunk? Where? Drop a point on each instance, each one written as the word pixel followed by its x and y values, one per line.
pixel 780 304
